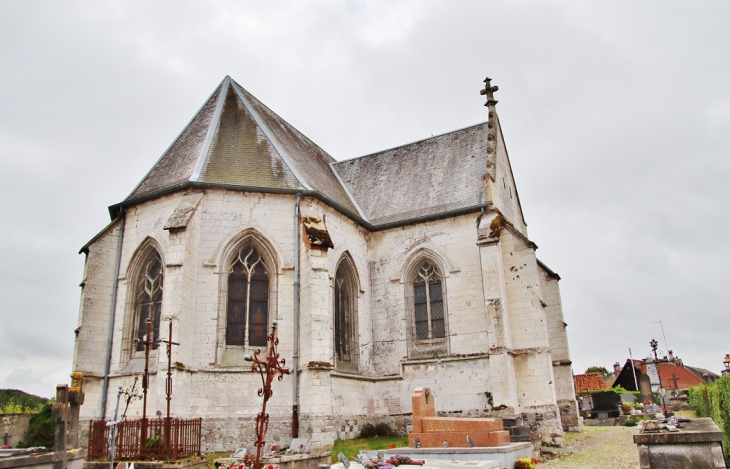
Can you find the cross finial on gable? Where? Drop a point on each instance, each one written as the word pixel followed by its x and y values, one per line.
pixel 489 91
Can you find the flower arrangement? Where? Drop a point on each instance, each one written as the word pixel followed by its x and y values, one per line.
pixel 398 460
pixel 526 463
pixel 378 465
pixel 627 406
pixel 245 463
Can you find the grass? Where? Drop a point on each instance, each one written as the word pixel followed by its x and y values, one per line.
pixel 351 448
pixel 211 457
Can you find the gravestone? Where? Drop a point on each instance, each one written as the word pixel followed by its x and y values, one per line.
pixel 299 445
pixel 628 397
pixel 606 405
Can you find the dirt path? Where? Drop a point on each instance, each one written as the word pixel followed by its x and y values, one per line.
pixel 596 447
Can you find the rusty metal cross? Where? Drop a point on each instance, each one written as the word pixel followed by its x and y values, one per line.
pixel 268 367
pixel 148 343
pixel 489 91
pixel 168 384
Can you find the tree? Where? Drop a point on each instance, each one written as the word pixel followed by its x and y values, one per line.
pixel 598 370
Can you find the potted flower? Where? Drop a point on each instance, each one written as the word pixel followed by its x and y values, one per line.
pixel 627 407
pixel 526 463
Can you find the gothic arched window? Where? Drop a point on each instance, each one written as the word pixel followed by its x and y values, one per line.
pixel 345 308
pixel 148 300
pixel 248 299
pixel 428 303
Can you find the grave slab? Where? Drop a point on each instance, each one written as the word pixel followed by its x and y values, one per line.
pixel 505 455
pixel 697 444
pixel 435 464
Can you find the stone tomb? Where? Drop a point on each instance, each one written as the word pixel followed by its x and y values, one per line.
pixel 437 432
pixel 697 444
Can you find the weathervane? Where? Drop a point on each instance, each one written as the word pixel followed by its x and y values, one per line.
pixel 268 367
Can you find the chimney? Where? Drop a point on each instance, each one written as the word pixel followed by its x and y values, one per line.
pixel 616 368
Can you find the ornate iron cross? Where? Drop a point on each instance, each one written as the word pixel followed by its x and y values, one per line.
pixel 168 385
pixel 268 367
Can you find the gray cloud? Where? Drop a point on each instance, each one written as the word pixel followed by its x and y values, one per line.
pixel 615 116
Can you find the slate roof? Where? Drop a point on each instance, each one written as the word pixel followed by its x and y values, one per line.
pixel 234 140
pixel 431 176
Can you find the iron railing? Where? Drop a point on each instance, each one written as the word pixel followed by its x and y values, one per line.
pixel 184 439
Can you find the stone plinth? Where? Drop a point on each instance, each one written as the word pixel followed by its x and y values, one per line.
pixel 292 461
pixel 506 455
pixel 433 432
pixel 696 445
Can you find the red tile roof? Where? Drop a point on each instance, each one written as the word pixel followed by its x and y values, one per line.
pixel 591 382
pixel 686 377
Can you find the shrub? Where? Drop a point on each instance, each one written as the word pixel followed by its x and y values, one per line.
pixel 40 429
pixel 381 429
pixel 718 400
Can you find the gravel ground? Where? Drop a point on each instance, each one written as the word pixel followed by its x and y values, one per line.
pixel 596 447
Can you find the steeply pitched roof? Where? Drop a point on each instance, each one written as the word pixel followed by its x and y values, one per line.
pixel 234 140
pixel 435 175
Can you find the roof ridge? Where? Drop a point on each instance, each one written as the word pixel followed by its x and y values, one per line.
pixel 180 134
pixel 347 191
pixel 274 142
pixel 411 143
pixel 214 121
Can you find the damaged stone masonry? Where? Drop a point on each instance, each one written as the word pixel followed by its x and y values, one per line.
pixel 397 270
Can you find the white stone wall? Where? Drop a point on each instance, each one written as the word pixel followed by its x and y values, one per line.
pixel 95 304
pixel 452 242
pixel 212 381
pixel 559 350
pixel 504 190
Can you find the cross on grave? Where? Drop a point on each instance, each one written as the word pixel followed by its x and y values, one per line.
pixel 168 383
pixel 148 343
pixel 268 367
pixel 489 91
pixel 674 378
pixel 60 415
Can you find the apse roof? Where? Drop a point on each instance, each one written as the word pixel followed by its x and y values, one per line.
pixel 436 175
pixel 235 140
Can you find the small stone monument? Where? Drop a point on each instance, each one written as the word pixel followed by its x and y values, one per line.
pixel 437 432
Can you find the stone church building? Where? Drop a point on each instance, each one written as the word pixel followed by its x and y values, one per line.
pixel 404 268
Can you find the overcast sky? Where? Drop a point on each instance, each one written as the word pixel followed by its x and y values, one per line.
pixel 616 117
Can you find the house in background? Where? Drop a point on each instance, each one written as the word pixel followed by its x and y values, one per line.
pixel 673 374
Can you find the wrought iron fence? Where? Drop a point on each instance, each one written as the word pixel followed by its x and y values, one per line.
pixel 156 439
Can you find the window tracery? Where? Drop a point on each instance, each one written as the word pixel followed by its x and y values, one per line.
pixel 148 301
pixel 345 310
pixel 248 299
pixel 428 303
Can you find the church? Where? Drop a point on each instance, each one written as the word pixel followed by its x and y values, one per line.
pixel 405 268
